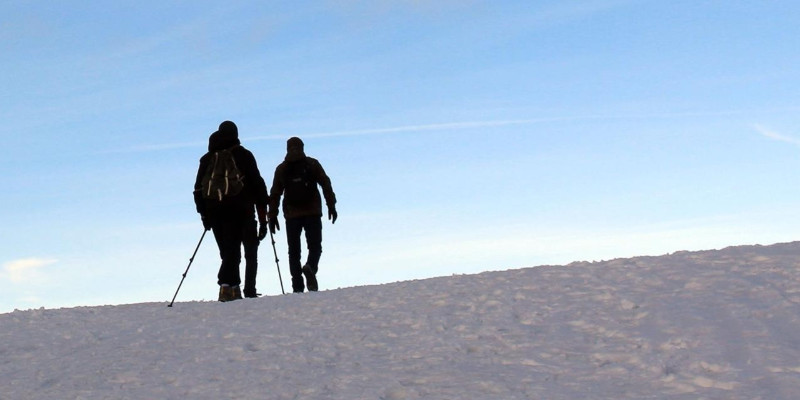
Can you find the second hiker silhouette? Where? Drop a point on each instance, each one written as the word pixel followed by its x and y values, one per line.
pixel 296 179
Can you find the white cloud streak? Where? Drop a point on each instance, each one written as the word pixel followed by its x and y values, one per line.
pixel 359 132
pixel 462 125
pixel 445 126
pixel 410 128
pixel 770 134
pixel 25 270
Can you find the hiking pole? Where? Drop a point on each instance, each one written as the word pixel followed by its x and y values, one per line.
pixel 276 260
pixel 187 268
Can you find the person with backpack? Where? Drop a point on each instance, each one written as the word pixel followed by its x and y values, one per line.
pixel 296 178
pixel 229 192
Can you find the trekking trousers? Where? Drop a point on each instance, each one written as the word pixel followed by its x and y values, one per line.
pixel 312 225
pixel 231 232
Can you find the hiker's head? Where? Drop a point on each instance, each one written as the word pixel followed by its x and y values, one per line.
pixel 294 149
pixel 228 128
pixel 294 144
pixel 225 137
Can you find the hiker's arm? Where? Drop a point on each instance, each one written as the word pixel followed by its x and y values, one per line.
pixel 199 204
pixel 275 193
pixel 325 182
pixel 259 187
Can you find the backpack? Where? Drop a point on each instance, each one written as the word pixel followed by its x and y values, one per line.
pixel 222 178
pixel 300 188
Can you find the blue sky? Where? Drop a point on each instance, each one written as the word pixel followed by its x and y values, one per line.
pixel 460 136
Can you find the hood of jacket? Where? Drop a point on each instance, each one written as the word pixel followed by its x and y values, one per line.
pixel 294 150
pixel 226 137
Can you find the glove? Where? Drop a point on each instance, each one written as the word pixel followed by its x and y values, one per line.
pixel 274 225
pixel 332 214
pixel 206 222
pixel 262 222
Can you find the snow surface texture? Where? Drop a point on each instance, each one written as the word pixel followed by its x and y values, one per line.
pixel 690 325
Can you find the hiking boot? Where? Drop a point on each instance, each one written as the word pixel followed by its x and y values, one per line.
pixel 251 294
pixel 311 279
pixel 229 293
pixel 225 293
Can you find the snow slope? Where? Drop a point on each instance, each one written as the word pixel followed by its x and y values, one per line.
pixel 701 325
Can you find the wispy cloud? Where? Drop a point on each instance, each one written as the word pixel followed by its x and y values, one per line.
pixel 461 125
pixel 358 132
pixel 410 128
pixel 768 133
pixel 24 270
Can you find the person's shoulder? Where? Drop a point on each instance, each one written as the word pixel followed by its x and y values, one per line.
pixel 312 161
pixel 240 152
pixel 240 149
pixel 281 166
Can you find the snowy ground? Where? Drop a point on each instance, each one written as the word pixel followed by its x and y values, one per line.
pixel 703 325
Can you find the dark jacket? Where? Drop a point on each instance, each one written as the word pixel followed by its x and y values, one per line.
pixel 254 192
pixel 310 207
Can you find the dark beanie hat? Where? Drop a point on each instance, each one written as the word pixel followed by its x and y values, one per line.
pixel 229 128
pixel 294 142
